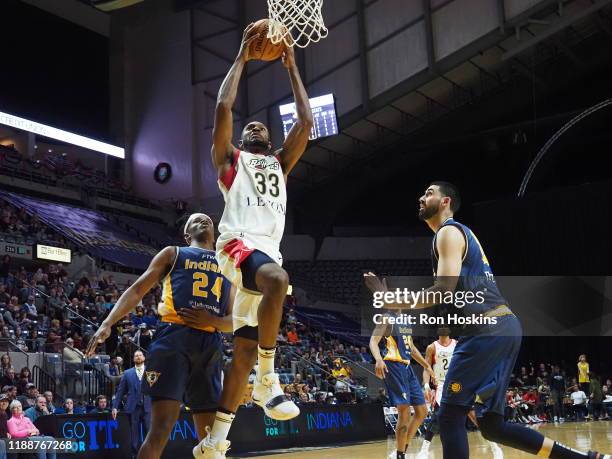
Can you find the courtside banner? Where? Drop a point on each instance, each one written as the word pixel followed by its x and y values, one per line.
pixel 92 436
pixel 88 229
pixel 317 425
pixel 496 306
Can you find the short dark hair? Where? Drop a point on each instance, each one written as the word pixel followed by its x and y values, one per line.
pixel 101 397
pixel 451 191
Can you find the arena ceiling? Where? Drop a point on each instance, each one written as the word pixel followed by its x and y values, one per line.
pixel 394 121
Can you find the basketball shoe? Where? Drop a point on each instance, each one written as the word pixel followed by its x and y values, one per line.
pixel 496 450
pixel 207 449
pixel 268 394
pixel 424 453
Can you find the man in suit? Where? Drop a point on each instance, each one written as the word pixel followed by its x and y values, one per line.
pixel 137 405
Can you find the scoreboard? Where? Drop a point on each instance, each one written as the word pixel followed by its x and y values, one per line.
pixel 323 114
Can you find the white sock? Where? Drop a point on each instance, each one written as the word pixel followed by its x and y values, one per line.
pixel 265 361
pixel 221 426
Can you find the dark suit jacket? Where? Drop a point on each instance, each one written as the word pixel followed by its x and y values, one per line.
pixel 132 387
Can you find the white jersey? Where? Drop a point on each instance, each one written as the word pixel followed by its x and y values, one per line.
pixel 442 359
pixel 255 203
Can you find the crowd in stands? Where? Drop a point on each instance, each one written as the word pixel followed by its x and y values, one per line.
pixel 43 310
pixel 548 393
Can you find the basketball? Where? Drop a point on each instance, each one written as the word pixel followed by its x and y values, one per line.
pixel 262 48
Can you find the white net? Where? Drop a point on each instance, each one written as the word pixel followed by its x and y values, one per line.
pixel 296 22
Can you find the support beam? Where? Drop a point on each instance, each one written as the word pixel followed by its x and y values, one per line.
pixel 214 53
pixel 429 35
pixel 501 14
pixel 363 54
pixel 217 15
pixel 555 28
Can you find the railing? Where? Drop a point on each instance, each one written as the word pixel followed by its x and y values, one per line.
pixel 97 383
pixel 43 380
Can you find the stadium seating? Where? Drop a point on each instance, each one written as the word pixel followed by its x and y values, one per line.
pixel 342 280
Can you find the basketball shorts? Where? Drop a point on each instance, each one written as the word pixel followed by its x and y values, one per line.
pixel 479 372
pixel 239 263
pixel 185 364
pixel 402 385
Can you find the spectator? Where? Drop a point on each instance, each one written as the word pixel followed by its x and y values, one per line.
pixel 607 402
pixel 303 398
pixel 69 406
pixel 4 404
pixel 29 398
pixel 25 378
pixel 20 426
pixel 557 389
pixel 8 378
pixel 113 368
pixel 38 410
pixel 101 405
pixel 544 407
pixel 11 391
pixel 339 369
pixel 365 355
pixel 5 268
pixel 596 396
pixel 5 362
pixel 292 336
pixel 143 336
pixel 30 309
pixel 583 373
pixel 49 397
pixel 126 348
pixel 579 402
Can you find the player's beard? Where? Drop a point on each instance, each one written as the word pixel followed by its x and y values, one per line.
pixel 258 146
pixel 428 212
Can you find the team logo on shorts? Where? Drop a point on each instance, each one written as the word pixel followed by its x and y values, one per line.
pixel 455 387
pixel 152 377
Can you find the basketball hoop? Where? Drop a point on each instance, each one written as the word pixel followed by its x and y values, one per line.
pixel 296 22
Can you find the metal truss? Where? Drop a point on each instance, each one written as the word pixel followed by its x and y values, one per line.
pixel 537 29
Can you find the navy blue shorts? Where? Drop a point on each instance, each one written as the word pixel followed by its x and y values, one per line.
pixel 184 364
pixel 249 268
pixel 479 372
pixel 402 385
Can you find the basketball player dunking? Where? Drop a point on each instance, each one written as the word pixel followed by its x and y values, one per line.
pixel 402 385
pixel 439 355
pixel 479 372
pixel 252 179
pixel 185 360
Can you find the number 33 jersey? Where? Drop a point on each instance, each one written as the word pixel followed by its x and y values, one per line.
pixel 194 281
pixel 255 203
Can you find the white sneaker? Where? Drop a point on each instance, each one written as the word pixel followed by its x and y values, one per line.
pixel 496 450
pixel 556 419
pixel 392 455
pixel 206 449
pixel 424 453
pixel 268 394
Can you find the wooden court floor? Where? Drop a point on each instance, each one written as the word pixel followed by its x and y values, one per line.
pixel 582 436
